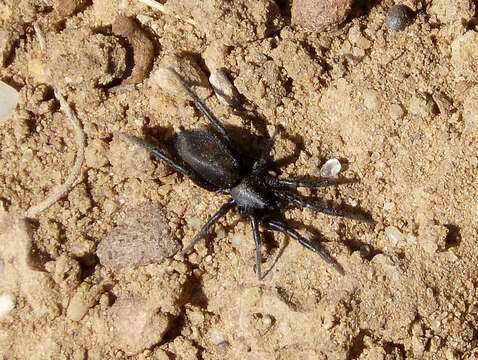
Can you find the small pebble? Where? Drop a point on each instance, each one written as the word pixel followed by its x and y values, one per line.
pixel 355 37
pixel 393 234
pixel 396 111
pixel 69 7
pixel 96 154
pixel 172 68
pixel 371 99
pixel 77 308
pixel 388 206
pixel 399 17
pixel 267 320
pixel 110 206
pixel 27 155
pixel 137 324
pixel 216 336
pixel 237 239
pixel 315 15
pixel 194 222
pixel 224 89
pixel 214 55
pixel 375 156
pixel 85 297
pixel 331 168
pixel 8 100
pixel 7 303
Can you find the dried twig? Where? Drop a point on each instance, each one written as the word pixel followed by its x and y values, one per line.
pixel 80 140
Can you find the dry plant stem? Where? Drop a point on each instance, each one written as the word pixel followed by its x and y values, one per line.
pixel 80 140
pixel 161 8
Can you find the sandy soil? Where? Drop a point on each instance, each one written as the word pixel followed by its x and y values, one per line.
pixel 91 276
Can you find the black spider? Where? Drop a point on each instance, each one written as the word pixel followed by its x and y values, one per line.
pixel 212 161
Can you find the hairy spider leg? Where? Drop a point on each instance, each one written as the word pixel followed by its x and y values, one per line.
pixel 278 183
pixel 201 106
pixel 301 201
pixel 220 213
pixel 170 161
pixel 257 240
pixel 280 226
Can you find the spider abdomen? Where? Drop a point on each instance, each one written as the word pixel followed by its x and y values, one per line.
pixel 210 157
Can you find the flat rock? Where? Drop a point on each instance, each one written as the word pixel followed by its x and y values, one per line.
pixel 143 238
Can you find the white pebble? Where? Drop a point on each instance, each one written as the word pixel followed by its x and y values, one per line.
pixel 396 111
pixel 169 81
pixel 8 100
pixel 388 206
pixel 393 234
pixel 331 168
pixel 77 307
pixel 237 239
pixel 7 303
pixel 27 155
pixel 267 321
pixel 216 336
pixel 225 91
pixel 196 317
pixel 370 99
pixel 194 222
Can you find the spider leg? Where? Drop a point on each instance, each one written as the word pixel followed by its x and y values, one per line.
pixel 220 213
pixel 301 201
pixel 261 163
pixel 170 161
pixel 278 183
pixel 257 240
pixel 201 106
pixel 280 226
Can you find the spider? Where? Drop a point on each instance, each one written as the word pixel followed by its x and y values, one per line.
pixel 213 162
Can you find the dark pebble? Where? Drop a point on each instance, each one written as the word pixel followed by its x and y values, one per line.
pixel 399 17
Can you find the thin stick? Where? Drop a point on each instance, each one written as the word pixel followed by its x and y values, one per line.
pixel 80 140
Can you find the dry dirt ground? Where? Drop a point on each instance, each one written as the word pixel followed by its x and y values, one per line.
pixel 399 109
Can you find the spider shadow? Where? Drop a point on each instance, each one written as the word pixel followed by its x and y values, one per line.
pixel 317 238
pixel 268 235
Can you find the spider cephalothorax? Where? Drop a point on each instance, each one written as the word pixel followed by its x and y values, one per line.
pixel 212 161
